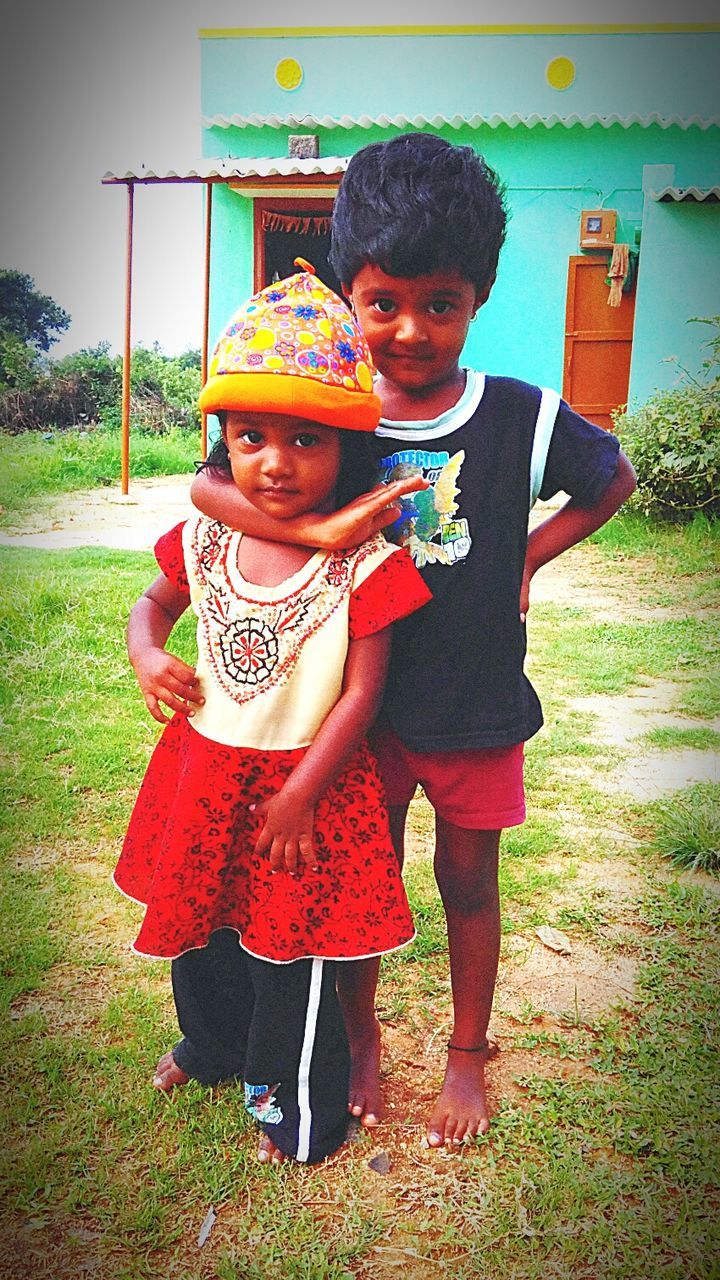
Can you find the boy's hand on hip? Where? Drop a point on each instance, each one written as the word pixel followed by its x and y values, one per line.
pixel 166 679
pixel 287 835
pixel 525 592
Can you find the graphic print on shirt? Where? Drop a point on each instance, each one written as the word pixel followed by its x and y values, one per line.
pixel 261 1103
pixel 427 526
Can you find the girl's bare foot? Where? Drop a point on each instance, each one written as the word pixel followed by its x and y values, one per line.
pixel 268 1153
pixel 461 1110
pixel 168 1075
pixel 365 1101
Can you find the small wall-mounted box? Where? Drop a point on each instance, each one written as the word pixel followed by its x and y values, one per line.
pixel 598 228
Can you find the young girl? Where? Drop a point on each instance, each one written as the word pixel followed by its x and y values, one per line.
pixel 259 842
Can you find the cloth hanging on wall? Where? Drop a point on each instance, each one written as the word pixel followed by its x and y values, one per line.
pixel 306 224
pixel 617 272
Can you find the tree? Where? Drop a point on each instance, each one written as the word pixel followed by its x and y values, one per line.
pixel 29 324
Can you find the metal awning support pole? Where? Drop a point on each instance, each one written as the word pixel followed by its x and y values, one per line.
pixel 206 307
pixel 125 424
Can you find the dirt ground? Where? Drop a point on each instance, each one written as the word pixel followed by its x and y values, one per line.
pixel 105 517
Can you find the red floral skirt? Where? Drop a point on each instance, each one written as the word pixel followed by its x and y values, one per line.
pixel 189 857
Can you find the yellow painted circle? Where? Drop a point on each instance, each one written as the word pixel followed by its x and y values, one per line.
pixel 274 362
pixel 261 340
pixel 307 339
pixel 364 376
pixel 560 73
pixel 288 73
pixel 324 327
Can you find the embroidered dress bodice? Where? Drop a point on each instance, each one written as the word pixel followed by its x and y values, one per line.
pixel 270 659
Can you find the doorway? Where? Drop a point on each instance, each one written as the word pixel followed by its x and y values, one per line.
pixel 288 228
pixel 598 342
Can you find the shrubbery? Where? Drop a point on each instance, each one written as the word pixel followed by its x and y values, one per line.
pixel 84 389
pixel 673 442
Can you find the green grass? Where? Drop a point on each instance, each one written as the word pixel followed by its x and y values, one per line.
pixel 603 1157
pixel 688 828
pixel 35 467
pixel 662 555
pixel 672 738
pixel 686 548
pixel 608 657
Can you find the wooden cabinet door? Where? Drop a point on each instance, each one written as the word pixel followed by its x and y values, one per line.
pixel 598 342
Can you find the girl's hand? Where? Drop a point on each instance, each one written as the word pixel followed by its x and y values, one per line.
pixel 362 518
pixel 165 678
pixel 288 831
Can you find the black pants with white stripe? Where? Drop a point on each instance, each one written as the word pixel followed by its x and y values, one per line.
pixel 277 1027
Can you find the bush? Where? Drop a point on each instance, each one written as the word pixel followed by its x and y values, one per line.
pixel 85 388
pixel 673 442
pixel 100 373
pixel 174 380
pixel 52 401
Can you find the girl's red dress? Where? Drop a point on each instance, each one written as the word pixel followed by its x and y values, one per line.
pixel 270 663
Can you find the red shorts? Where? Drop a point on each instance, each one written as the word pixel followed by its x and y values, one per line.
pixel 480 790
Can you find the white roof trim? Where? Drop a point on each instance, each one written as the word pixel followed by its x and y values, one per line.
pixel 255 121
pixel 236 167
pixel 680 194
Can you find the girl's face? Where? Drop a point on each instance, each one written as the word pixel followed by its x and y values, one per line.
pixel 285 466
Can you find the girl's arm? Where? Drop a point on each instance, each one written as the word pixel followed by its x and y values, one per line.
pixel 288 832
pixel 217 496
pixel 161 676
pixel 573 523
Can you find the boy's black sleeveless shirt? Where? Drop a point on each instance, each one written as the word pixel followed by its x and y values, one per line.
pixel 456 680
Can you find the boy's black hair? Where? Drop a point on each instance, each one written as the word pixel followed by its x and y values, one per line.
pixel 358 468
pixel 418 204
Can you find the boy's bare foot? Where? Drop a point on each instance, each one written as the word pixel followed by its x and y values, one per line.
pixel 365 1099
pixel 168 1074
pixel 461 1110
pixel 268 1153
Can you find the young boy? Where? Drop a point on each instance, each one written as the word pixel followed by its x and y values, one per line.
pixel 417 230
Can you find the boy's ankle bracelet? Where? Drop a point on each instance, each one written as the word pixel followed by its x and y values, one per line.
pixel 459 1048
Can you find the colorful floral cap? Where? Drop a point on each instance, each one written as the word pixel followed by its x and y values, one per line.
pixel 295 348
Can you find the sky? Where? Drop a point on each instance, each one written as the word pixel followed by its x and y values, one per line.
pixel 88 86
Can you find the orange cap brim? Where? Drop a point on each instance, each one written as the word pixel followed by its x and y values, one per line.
pixel 299 397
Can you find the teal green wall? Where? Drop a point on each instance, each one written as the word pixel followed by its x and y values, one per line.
pixel 551 175
pixel 679 279
pixel 464 74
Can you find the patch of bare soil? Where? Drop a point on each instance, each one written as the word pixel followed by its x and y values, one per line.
pixel 575 987
pixel 647 774
pixel 105 517
pixel 661 773
pixel 621 718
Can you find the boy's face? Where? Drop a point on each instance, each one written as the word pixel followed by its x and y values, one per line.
pixel 415 327
pixel 284 466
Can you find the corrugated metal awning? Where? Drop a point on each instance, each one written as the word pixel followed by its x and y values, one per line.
pixel 237 169
pixel 681 194
pixel 513 121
